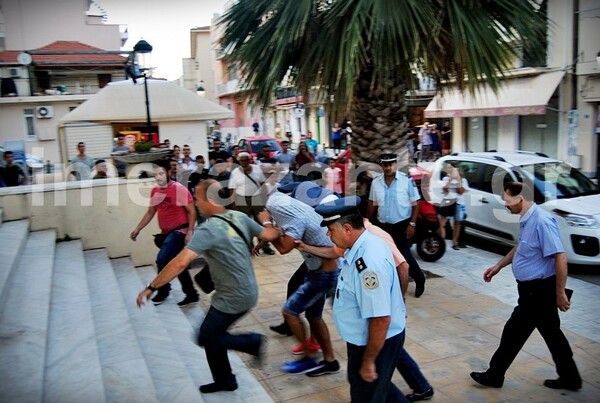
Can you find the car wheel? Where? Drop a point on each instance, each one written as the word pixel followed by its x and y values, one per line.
pixel 431 247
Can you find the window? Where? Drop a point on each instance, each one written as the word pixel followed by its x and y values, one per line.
pixel 29 116
pixel 494 179
pixel 469 172
pixel 103 80
pixel 232 73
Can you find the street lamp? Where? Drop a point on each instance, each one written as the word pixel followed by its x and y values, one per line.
pixel 141 67
pixel 200 90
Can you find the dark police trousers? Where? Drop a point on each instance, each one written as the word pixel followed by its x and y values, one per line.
pixel 381 390
pixel 398 234
pixel 536 309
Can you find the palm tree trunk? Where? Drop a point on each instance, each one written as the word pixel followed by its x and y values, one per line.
pixel 378 120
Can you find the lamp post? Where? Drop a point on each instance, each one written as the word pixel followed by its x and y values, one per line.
pixel 200 89
pixel 141 66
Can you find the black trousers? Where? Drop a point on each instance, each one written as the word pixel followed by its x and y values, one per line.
pixel 398 233
pixel 536 309
pixel 382 390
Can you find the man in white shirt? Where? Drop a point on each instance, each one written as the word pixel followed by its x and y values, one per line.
pixel 246 186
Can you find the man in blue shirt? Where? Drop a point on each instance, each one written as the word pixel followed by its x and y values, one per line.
pixel 299 221
pixel 539 265
pixel 393 207
pixel 368 307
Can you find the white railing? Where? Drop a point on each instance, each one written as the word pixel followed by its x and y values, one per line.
pixel 231 87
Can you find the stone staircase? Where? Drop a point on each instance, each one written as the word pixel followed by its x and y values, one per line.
pixel 70 330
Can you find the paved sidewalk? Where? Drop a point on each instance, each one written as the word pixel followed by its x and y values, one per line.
pixel 452 329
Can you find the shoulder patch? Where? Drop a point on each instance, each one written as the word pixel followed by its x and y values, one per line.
pixel 370 280
pixel 360 264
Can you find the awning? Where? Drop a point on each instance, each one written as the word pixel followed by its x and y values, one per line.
pixel 124 101
pixel 516 96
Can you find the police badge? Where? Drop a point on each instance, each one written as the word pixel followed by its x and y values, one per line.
pixel 370 280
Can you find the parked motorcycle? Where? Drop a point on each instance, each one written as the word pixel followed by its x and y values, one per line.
pixel 430 245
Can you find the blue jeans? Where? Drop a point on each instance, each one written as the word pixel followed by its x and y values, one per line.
pixel 216 341
pixel 411 373
pixel 173 244
pixel 382 390
pixel 310 295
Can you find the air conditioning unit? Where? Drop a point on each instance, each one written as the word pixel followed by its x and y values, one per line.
pixel 44 112
pixel 14 72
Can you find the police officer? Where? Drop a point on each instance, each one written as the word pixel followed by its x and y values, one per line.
pixel 368 307
pixel 539 264
pixel 393 207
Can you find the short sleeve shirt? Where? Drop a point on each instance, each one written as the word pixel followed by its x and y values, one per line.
pixel 368 287
pixel 299 221
pixel 539 241
pixel 242 185
pixel 83 166
pixel 10 175
pixel 170 203
pixel 229 259
pixel 453 190
pixel 398 257
pixel 394 202
pixel 285 158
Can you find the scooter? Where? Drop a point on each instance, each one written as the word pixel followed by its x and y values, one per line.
pixel 430 245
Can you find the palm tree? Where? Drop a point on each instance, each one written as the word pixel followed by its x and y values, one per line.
pixel 368 53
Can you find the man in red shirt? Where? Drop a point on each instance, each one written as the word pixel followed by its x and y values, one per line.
pixel 176 218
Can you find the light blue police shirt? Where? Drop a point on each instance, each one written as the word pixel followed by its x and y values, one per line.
pixel 539 241
pixel 394 202
pixel 368 287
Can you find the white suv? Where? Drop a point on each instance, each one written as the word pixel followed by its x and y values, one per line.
pixel 559 188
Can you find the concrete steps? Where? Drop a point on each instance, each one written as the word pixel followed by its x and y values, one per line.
pixel 70 330
pixel 71 333
pixel 24 320
pixel 13 236
pixel 124 368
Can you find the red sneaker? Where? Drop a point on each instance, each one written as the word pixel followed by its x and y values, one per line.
pixel 313 347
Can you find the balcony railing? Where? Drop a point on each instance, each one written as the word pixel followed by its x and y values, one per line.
pixel 230 87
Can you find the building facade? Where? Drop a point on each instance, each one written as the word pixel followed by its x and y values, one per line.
pixel 552 108
pixel 44 76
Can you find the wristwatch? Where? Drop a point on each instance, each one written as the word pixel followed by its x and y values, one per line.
pixel 412 224
pixel 149 286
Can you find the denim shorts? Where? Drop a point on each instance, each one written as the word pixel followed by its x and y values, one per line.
pixel 459 214
pixel 310 296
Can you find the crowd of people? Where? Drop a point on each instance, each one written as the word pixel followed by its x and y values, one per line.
pixel 430 142
pixel 356 251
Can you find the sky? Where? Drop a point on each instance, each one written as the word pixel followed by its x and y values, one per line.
pixel 165 24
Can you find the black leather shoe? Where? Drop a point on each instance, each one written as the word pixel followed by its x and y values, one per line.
pixel 420 289
pixel 485 379
pixel 217 387
pixel 562 384
pixel 282 329
pixel 267 249
pixel 415 397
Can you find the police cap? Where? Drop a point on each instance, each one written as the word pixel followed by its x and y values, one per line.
pixel 310 193
pixel 387 158
pixel 288 187
pixel 334 210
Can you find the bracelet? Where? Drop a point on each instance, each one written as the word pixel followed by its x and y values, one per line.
pixel 267 223
pixel 149 286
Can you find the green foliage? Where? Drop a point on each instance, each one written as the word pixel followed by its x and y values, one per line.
pixel 143 146
pixel 324 46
